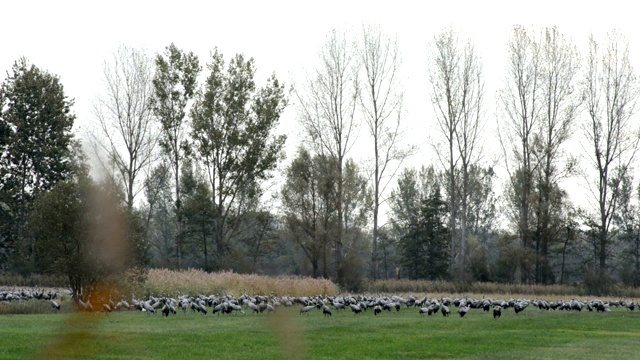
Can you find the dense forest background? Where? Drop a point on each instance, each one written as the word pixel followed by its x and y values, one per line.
pixel 194 174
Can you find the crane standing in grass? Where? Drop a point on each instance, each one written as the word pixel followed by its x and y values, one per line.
pixel 497 312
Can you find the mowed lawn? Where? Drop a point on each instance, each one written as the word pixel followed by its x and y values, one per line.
pixel 533 334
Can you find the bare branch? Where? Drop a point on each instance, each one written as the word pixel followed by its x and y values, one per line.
pixel 611 136
pixel 457 90
pixel 125 119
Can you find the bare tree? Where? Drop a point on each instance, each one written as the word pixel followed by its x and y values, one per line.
pixel 520 107
pixel 126 127
pixel 610 133
pixel 327 110
pixel 539 107
pixel 457 86
pixel 381 99
pixel 559 102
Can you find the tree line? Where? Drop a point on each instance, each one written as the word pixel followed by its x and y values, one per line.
pixel 191 167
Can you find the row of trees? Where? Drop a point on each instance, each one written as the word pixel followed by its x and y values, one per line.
pixel 188 166
pixel 547 100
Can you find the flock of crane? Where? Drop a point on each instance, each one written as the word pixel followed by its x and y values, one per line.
pixel 227 304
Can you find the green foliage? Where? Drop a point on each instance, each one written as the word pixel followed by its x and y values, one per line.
pixel 479 267
pixel 258 239
pixel 627 221
pixel 174 86
pixel 82 231
pixel 37 121
pixel 35 143
pixel 598 282
pixel 352 272
pixel 405 200
pixel 6 219
pixel 507 264
pixel 197 212
pixel 310 203
pixel 60 233
pixel 136 238
pixel 357 200
pixel 482 210
pixel 308 199
pixel 160 217
pixel 233 124
pixel 425 245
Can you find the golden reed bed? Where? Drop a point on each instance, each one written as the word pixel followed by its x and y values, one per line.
pixel 172 282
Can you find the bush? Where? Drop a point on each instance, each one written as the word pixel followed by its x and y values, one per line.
pixel 598 283
pixel 351 273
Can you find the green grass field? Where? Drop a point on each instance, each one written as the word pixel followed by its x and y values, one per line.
pixel 533 334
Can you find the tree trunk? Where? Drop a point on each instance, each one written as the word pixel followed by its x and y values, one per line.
pixel 340 216
pixel 453 209
pixel 178 211
pixel 636 270
pixel 204 245
pixel 564 252
pixel 314 265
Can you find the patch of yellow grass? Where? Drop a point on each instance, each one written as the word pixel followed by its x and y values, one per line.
pixel 192 281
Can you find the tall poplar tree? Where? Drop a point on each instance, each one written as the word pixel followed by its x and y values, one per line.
pixel 174 87
pixel 234 123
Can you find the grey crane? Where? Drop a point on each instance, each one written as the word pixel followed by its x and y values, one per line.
pixel 122 304
pixel 200 307
pixel 355 308
pixel 433 309
pixel 237 308
pixel 497 311
pixel 86 306
pixel 306 309
pixel 253 307
pixel 520 306
pixel 165 310
pixel 147 307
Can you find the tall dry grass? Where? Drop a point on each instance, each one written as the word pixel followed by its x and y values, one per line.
pixel 33 280
pixel 450 287
pixel 34 306
pixel 172 282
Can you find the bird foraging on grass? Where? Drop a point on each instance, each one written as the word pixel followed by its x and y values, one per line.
pixel 497 312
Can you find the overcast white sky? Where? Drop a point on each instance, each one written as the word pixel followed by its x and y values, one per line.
pixel 73 38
